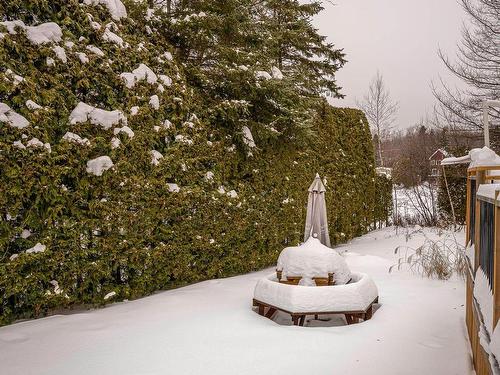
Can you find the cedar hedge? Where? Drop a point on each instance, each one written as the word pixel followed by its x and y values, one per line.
pixel 125 231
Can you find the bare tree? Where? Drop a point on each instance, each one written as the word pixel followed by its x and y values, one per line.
pixel 477 64
pixel 380 110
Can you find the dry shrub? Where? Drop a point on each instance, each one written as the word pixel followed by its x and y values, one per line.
pixel 438 259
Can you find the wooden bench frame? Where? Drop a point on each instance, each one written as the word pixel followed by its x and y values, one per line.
pixel 298 318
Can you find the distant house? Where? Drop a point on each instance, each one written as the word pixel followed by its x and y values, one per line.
pixel 435 162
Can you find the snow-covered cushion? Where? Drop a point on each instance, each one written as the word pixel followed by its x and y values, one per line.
pixel 355 296
pixel 313 259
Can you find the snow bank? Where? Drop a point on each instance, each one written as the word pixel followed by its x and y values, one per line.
pixel 313 259
pixel 484 297
pixel 106 119
pixel 11 117
pixel 355 296
pixel 98 165
pixel 44 33
pixel 115 7
pixel 142 72
pixel 155 157
pixel 75 138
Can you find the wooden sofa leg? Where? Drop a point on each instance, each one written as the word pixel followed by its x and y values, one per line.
pixel 302 320
pixel 270 312
pixel 261 309
pixel 369 313
pixel 295 320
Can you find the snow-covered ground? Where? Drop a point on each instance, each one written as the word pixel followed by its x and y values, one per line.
pixel 210 328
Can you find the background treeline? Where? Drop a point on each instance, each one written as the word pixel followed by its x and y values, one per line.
pixel 247 130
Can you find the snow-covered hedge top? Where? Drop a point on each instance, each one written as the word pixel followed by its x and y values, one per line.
pixel 40 34
pixel 313 259
pixel 106 119
pixel 98 165
pixel 12 118
pixel 115 7
pixel 247 137
pixel 142 72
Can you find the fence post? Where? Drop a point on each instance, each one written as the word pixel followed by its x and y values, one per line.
pixel 480 177
pixel 468 208
pixel 496 263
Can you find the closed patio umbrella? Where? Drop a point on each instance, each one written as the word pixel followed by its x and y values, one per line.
pixel 316 220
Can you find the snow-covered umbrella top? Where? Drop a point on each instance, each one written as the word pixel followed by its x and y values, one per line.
pixel 316 220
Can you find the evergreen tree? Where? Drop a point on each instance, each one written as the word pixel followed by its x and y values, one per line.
pixel 298 49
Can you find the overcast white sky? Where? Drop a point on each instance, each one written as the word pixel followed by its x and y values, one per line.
pixel 400 38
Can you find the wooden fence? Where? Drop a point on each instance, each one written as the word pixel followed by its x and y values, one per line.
pixel 483 233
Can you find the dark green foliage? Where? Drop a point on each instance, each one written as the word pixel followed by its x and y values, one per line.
pixel 383 200
pixel 456 177
pixel 125 231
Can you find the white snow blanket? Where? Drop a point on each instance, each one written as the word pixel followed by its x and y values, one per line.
pixel 477 157
pixel 313 259
pixel 355 296
pixel 210 328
